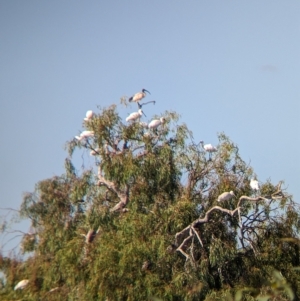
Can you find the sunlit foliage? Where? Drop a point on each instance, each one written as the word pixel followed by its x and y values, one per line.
pixel 143 223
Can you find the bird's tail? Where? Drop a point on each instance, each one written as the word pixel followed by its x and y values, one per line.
pixel 130 99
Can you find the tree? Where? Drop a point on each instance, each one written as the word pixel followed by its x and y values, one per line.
pixel 144 223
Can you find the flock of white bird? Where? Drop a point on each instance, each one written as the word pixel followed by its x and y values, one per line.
pixel 136 116
pixel 133 117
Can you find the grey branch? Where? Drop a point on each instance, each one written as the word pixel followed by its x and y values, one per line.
pixel 183 237
pixel 123 195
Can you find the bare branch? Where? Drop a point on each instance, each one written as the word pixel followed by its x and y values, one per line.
pixel 122 195
pixel 247 228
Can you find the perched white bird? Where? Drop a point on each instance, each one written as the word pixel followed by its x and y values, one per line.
pixel 226 196
pixel 135 115
pixel 89 115
pixel 85 134
pixel 254 184
pixel 21 284
pixel 208 148
pixel 156 123
pixel 138 96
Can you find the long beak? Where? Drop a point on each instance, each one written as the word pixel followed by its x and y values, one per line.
pixel 147 91
pixel 144 114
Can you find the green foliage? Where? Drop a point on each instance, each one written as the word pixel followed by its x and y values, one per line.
pixel 144 223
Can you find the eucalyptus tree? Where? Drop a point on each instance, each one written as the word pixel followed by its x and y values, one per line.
pixel 143 222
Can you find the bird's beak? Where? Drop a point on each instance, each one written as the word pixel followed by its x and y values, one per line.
pixel 144 114
pixel 147 91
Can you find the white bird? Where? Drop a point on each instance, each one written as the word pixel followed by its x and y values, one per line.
pixel 21 284
pixel 254 184
pixel 85 134
pixel 156 123
pixel 138 96
pixel 208 148
pixel 226 196
pixel 135 115
pixel 89 115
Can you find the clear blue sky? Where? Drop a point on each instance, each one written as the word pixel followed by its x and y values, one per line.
pixel 225 66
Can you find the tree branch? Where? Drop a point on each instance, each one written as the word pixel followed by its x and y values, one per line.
pixel 185 235
pixel 122 195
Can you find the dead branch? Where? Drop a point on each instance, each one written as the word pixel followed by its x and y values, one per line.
pixel 247 228
pixel 122 195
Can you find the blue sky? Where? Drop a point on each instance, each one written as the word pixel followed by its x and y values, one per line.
pixel 224 66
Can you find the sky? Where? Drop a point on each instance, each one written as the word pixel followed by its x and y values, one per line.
pixel 224 66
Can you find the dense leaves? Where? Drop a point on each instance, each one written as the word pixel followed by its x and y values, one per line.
pixel 143 223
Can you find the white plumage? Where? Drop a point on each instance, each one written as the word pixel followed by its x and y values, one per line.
pixel 208 147
pixel 134 116
pixel 226 196
pixel 138 96
pixel 89 115
pixel 85 134
pixel 156 123
pixel 254 184
pixel 21 284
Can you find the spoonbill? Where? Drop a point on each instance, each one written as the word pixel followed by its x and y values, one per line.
pixel 226 196
pixel 135 115
pixel 138 96
pixel 85 134
pixel 254 184
pixel 208 148
pixel 21 284
pixel 89 115
pixel 156 123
